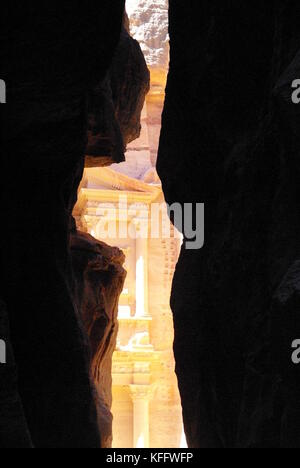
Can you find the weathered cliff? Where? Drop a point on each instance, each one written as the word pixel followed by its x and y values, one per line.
pixel 230 139
pixel 149 26
pixel 115 104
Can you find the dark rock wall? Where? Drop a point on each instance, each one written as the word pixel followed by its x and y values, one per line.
pixel 13 427
pixel 230 139
pixel 50 57
pixel 116 103
pixel 130 82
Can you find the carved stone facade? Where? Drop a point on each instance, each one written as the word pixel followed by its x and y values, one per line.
pixel 146 405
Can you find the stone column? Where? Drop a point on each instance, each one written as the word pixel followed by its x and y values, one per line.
pixel 141 270
pixel 140 395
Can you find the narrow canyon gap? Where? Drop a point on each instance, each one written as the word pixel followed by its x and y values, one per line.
pixel 137 382
pixel 76 84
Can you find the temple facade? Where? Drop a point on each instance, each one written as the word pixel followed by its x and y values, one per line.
pixel 123 205
pixel 117 209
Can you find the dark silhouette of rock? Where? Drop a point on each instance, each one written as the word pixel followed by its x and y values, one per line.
pixel 116 103
pixel 99 280
pixel 230 139
pixel 51 57
pixel 130 82
pixel 13 427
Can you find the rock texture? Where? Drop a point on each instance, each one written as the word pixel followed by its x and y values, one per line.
pixel 99 280
pixel 116 103
pixel 130 82
pixel 149 26
pixel 230 139
pixel 50 59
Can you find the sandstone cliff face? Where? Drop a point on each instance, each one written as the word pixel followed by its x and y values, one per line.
pixel 99 280
pixel 230 139
pixel 149 26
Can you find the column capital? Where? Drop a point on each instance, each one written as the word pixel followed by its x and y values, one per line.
pixel 141 392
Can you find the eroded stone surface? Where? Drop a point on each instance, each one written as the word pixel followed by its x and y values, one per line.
pixel 116 103
pixel 149 26
pixel 99 279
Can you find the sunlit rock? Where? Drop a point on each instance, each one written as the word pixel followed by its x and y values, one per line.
pixel 99 280
pixel 149 26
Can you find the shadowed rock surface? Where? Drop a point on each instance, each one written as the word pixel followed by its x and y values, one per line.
pixel 13 427
pixel 230 139
pixel 130 82
pixel 116 103
pixel 99 280
pixel 51 57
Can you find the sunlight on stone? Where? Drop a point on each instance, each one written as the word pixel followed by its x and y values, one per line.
pixel 141 442
pixel 146 404
pixel 183 443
